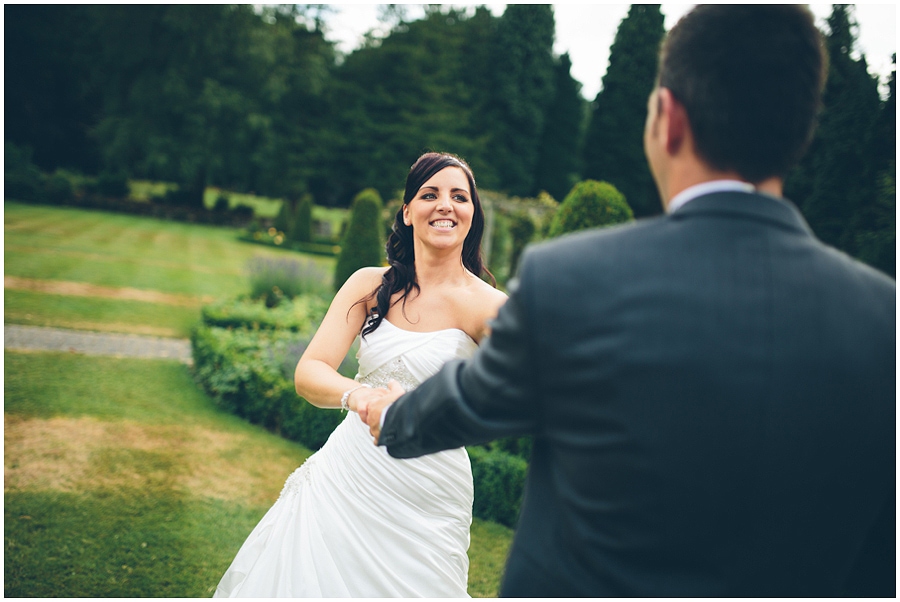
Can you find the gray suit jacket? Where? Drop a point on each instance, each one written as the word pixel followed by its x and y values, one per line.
pixel 712 396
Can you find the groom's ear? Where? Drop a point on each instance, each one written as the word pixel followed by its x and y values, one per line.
pixel 674 121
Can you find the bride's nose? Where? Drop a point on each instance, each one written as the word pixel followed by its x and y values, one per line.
pixel 444 204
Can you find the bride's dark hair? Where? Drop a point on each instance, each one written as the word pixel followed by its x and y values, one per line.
pixel 401 275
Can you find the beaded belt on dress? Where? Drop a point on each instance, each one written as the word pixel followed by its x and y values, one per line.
pixel 393 370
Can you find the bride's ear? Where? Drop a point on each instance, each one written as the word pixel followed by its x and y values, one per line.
pixel 406 221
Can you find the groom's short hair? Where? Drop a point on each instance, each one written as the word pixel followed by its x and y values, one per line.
pixel 750 78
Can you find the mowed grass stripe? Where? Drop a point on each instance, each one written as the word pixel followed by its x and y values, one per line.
pixel 117 259
pixel 81 289
pixel 98 314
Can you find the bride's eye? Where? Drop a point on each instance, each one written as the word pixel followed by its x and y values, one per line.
pixel 461 198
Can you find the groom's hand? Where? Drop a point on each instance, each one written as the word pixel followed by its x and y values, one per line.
pixel 371 414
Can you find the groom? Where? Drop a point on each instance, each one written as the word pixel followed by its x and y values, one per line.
pixel 711 392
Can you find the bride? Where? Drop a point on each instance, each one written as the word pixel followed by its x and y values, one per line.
pixel 352 521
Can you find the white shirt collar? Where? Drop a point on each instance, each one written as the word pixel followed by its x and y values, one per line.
pixel 691 193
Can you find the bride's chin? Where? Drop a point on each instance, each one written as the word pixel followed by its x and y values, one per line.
pixel 441 245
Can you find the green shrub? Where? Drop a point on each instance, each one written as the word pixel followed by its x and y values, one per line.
pixel 22 179
pixel 550 207
pixel 499 480
pixel 501 245
pixel 57 189
pixel 176 197
pixel 244 372
pixel 301 314
pixel 302 222
pixel 362 244
pixel 242 212
pixel 222 204
pixel 517 446
pixel 389 215
pixel 282 221
pixel 278 279
pixel 590 204
pixel 522 230
pixel 111 184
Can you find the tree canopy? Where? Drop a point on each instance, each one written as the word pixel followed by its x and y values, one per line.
pixel 256 98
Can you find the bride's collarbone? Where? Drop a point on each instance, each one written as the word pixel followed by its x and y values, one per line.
pixel 428 316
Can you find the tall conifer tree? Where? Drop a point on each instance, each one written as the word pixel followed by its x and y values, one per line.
pixel 613 148
pixel 557 167
pixel 523 75
pixel 837 180
pixel 876 225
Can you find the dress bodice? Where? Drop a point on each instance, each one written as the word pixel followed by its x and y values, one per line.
pixel 392 353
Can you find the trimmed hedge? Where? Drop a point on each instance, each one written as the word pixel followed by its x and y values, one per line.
pixel 590 204
pixel 262 237
pixel 522 230
pixel 300 314
pixel 24 182
pixel 244 370
pixel 499 483
pixel 517 446
pixel 238 217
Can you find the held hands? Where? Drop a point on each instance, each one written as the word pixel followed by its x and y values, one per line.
pixel 371 406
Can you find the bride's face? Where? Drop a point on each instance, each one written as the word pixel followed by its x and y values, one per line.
pixel 441 211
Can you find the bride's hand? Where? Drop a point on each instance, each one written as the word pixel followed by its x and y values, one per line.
pixel 377 406
pixel 360 399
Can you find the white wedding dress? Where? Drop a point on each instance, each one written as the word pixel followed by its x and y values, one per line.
pixel 354 522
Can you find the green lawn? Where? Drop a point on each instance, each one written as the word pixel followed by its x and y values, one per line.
pixel 123 479
pixel 112 250
pixel 108 249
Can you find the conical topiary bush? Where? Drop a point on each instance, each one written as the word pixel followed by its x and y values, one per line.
pixel 363 243
pixel 301 224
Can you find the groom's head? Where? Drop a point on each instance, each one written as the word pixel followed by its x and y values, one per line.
pixel 748 80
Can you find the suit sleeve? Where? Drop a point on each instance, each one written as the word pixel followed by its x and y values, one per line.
pixel 488 396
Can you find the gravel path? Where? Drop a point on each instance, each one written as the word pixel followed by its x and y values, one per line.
pixel 38 338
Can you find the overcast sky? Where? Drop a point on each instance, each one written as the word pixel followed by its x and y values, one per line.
pixel 586 32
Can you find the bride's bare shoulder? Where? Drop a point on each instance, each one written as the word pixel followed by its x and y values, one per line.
pixel 366 278
pixel 491 298
pixel 483 304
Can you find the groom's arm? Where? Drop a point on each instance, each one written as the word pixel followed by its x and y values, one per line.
pixel 468 402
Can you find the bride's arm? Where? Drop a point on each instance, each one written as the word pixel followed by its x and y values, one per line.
pixel 316 377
